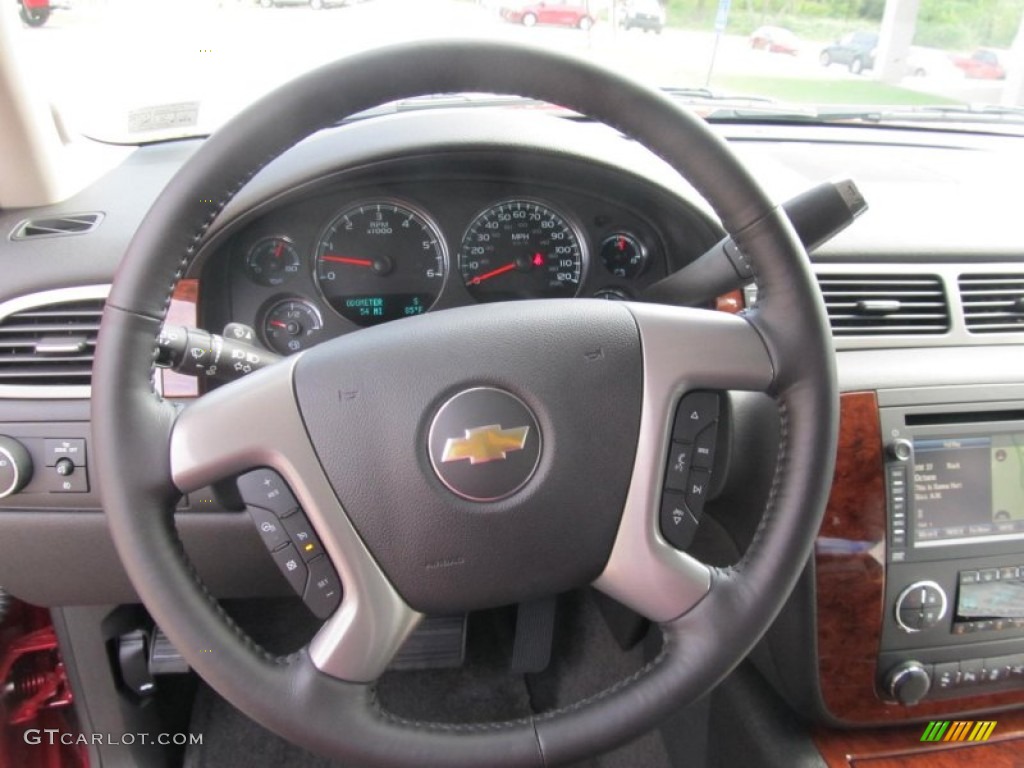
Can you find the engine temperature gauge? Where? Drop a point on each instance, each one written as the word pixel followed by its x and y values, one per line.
pixel 291 325
pixel 623 255
pixel 272 261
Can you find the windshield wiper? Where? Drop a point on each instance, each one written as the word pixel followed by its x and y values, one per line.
pixel 706 94
pixel 954 113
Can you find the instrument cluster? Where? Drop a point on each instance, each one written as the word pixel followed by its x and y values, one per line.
pixel 327 265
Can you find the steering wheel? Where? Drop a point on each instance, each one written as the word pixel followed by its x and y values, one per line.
pixel 353 425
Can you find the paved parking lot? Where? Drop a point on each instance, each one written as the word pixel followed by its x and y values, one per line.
pixel 106 56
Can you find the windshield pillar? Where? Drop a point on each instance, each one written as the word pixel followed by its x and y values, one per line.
pixel 1013 93
pixel 898 23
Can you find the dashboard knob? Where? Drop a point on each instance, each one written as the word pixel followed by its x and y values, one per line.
pixel 920 606
pixel 15 466
pixel 900 450
pixel 908 683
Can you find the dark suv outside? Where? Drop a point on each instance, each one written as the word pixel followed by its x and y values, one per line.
pixel 856 50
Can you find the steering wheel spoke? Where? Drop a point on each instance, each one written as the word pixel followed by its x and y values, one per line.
pixel 255 422
pixel 683 350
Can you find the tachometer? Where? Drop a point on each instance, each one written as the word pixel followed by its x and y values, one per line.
pixel 521 249
pixel 380 260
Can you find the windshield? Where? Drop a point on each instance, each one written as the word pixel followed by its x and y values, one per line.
pixel 143 70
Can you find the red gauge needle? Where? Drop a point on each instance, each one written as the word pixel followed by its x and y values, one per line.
pixel 493 273
pixel 348 260
pixel 278 324
pixel 279 249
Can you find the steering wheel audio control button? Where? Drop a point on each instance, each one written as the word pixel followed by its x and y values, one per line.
pixel 680 456
pixel 323 590
pixel 269 527
pixel 265 488
pixel 696 411
pixel 291 565
pixel 697 490
pixel 688 468
pixel 704 448
pixel 678 522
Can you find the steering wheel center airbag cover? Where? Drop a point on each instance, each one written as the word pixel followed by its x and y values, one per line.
pixel 369 400
pixel 484 444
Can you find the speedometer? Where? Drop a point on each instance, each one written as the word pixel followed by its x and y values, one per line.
pixel 521 249
pixel 380 260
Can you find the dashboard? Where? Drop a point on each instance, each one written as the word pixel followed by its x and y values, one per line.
pixel 453 232
pixel 381 219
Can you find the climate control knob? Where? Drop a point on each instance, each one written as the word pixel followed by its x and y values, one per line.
pixel 15 466
pixel 908 683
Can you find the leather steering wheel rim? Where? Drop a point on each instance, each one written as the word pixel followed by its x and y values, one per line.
pixel 133 425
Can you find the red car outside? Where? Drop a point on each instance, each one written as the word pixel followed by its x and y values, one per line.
pixel 981 65
pixel 35 12
pixel 775 40
pixel 562 14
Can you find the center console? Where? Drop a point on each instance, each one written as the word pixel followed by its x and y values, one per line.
pixel 954 591
pixel 918 582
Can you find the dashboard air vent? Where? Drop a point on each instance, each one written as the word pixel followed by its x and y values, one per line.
pixel 70 224
pixel 50 344
pixel 993 303
pixel 883 305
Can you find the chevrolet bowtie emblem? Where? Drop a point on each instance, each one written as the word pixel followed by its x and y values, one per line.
pixel 483 444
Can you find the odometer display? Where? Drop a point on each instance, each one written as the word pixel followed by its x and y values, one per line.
pixel 380 260
pixel 521 249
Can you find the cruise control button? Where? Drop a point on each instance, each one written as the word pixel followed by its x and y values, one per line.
pixel 679 456
pixel 678 523
pixel 704 447
pixel 291 565
pixel 696 410
pixel 269 527
pixel 323 591
pixel 302 536
pixel 265 488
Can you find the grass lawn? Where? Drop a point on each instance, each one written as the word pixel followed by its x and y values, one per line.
pixel 820 91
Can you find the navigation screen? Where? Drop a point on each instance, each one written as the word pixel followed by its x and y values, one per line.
pixel 969 488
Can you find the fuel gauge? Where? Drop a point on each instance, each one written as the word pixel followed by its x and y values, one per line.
pixel 291 325
pixel 623 255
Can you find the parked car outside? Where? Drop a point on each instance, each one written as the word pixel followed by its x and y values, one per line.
pixel 35 13
pixel 775 40
pixel 931 62
pixel 855 50
pixel 559 14
pixel 983 64
pixel 647 15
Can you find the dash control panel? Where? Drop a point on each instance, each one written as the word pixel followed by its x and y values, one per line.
pixel 691 457
pixel 291 540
